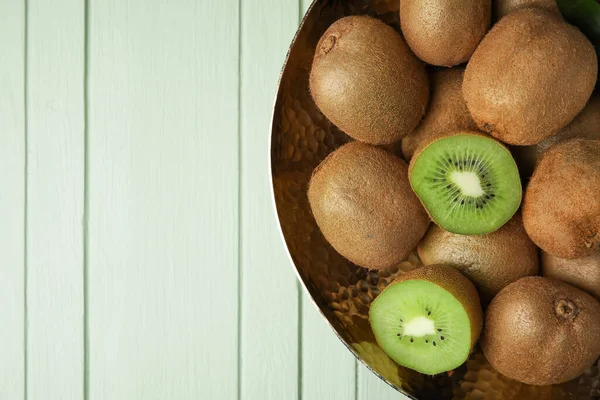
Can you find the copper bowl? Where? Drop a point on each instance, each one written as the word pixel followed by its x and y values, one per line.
pixel 301 138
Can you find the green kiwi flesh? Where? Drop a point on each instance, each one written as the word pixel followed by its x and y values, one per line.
pixel 428 320
pixel 542 331
pixel 468 183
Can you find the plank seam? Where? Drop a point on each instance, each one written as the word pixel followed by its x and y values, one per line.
pixel 300 297
pixel 300 333
pixel 26 198
pixel 240 183
pixel 86 341
pixel 355 379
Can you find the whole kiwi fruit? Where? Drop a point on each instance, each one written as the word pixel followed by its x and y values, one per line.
pixel 490 261
pixel 541 331
pixel 585 126
pixel 561 208
pixel 583 273
pixel 505 7
pixel 530 76
pixel 444 32
pixel 366 80
pixel 362 202
pixel 447 111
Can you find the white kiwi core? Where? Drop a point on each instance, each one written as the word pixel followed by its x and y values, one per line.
pixel 419 327
pixel 468 182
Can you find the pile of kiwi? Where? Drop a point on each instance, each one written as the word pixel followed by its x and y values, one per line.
pixel 493 102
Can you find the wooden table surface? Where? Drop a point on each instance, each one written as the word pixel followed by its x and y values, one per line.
pixel 140 254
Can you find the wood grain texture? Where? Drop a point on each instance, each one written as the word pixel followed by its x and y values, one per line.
pixel 55 187
pixel 270 354
pixel 304 5
pixel 163 199
pixel 370 386
pixel 12 199
pixel 328 367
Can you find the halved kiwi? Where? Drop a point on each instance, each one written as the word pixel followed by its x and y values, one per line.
pixel 469 183
pixel 428 320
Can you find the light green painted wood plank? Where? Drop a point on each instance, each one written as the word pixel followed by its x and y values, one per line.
pixel 370 386
pixel 270 355
pixel 55 200
pixel 163 200
pixel 12 200
pixel 328 367
pixel 304 4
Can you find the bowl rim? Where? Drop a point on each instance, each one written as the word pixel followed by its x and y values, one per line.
pixel 271 160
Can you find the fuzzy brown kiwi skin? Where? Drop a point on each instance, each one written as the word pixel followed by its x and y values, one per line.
pixel 541 331
pixel 583 273
pixel 520 97
pixel 447 111
pixel 505 7
pixel 490 261
pixel 585 126
pixel 366 80
pixel 455 283
pixel 444 32
pixel 362 202
pixel 561 208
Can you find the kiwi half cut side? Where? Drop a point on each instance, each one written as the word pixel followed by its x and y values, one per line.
pixel 428 320
pixel 469 183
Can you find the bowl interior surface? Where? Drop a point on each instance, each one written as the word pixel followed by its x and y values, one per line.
pixel 301 138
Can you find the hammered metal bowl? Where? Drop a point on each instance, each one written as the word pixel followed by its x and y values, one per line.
pixel 301 138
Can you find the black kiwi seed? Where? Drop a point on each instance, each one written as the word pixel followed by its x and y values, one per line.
pixel 439 330
pixel 411 340
pixel 434 343
pixel 441 337
pixel 426 341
